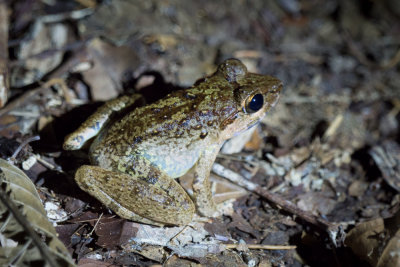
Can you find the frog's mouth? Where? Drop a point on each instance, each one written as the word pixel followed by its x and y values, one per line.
pixel 254 123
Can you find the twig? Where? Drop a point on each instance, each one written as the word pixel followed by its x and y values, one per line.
pixel 69 15
pixel 179 232
pixel 63 85
pixel 94 227
pixel 70 47
pixel 27 96
pixel 396 107
pixel 261 246
pixel 87 3
pixel 22 145
pixel 14 261
pixel 54 78
pixel 20 100
pixel 282 203
pixel 333 127
pixel 4 77
pixel 356 51
pixel 48 165
pixel 392 62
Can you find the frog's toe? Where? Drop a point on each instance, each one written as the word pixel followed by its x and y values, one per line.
pixel 209 211
pixel 73 142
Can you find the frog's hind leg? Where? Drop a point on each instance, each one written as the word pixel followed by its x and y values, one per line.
pixel 155 199
pixel 97 120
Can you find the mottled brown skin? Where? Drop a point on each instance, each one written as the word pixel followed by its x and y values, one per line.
pixel 137 157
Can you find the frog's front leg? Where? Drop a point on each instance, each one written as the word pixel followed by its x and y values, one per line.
pixel 201 184
pixel 97 120
pixel 149 197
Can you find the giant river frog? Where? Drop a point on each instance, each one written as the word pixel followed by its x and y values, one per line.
pixel 135 159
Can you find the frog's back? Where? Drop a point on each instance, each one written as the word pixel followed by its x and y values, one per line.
pixel 170 134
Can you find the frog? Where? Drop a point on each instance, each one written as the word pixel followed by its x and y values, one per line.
pixel 135 160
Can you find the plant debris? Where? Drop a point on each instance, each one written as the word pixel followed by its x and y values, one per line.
pixel 316 183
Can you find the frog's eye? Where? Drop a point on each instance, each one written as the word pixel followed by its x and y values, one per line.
pixel 254 103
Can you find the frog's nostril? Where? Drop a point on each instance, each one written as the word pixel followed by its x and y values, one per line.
pixel 276 88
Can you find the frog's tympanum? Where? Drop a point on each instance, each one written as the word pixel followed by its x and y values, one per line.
pixel 136 158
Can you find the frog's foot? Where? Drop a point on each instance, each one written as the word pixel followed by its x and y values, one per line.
pixel 203 199
pixel 208 211
pixel 162 202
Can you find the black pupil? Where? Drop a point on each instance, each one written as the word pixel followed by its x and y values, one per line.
pixel 256 102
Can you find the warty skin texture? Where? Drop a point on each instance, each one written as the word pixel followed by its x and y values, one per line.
pixel 135 159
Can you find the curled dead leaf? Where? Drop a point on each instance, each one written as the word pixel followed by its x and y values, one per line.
pixel 27 235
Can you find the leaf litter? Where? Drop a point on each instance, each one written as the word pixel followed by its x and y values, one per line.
pixel 321 172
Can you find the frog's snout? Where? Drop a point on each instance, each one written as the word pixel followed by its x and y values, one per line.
pixel 278 88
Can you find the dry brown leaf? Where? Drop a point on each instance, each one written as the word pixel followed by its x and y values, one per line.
pixel 109 65
pixel 165 41
pixel 9 126
pixel 175 261
pixel 357 188
pixel 155 253
pixel 387 157
pixel 21 210
pixel 366 240
pixel 316 202
pixel 391 255
pixel 43 38
pixel 192 241
pixel 109 232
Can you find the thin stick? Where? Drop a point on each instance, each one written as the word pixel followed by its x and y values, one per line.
pixel 281 202
pixel 28 95
pixel 4 77
pixel 22 145
pixel 94 227
pixel 261 246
